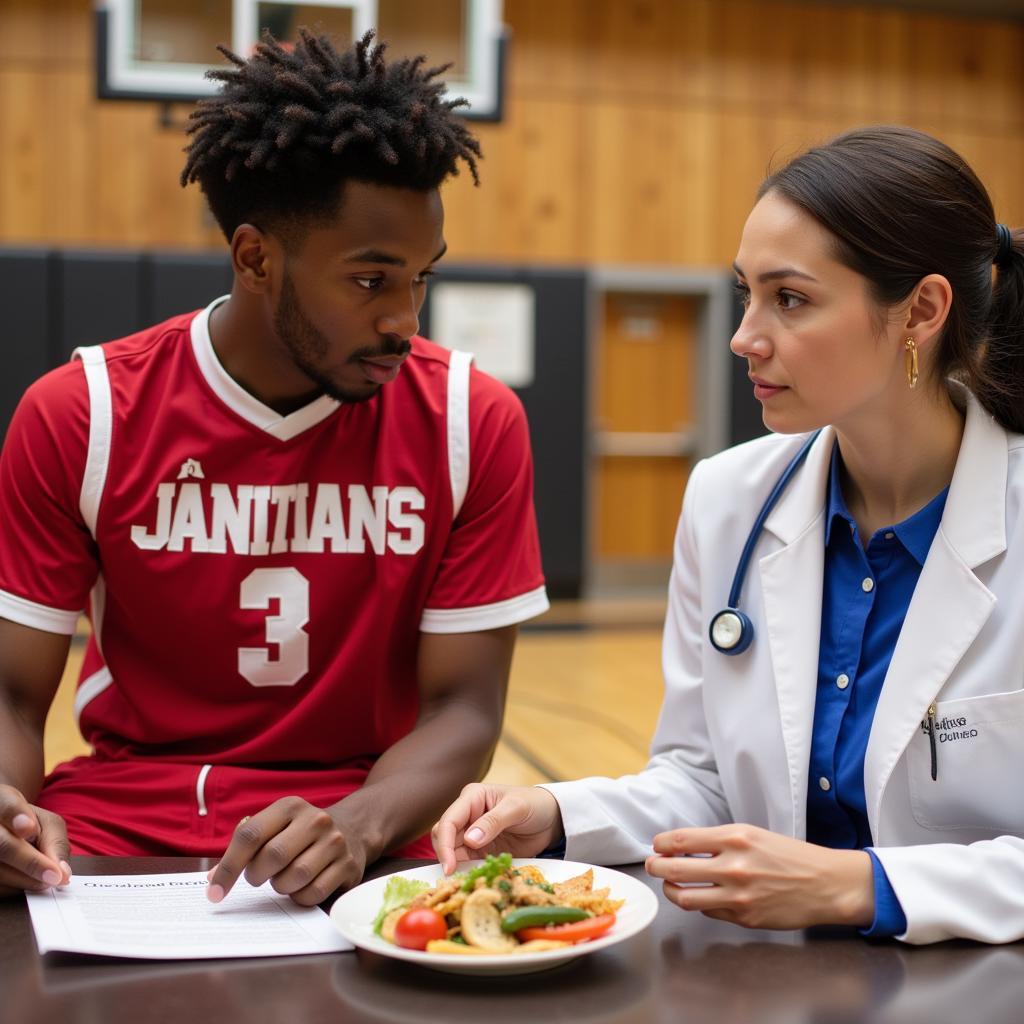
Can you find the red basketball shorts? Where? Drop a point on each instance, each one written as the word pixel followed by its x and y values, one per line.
pixel 146 808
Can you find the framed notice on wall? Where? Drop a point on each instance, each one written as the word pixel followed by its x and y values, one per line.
pixel 162 49
pixel 493 322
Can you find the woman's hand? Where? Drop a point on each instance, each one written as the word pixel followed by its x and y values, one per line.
pixel 523 820
pixel 760 879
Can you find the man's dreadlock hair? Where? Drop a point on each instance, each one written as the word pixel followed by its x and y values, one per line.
pixel 288 128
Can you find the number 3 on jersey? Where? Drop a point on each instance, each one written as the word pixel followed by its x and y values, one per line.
pixel 291 590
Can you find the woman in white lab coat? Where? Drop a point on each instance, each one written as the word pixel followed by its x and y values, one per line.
pixel 862 761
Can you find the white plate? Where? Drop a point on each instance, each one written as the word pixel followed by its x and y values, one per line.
pixel 354 912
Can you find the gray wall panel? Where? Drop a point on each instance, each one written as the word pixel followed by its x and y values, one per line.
pixel 554 405
pixel 28 324
pixel 101 296
pixel 181 282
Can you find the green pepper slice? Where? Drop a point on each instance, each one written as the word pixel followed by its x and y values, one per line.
pixel 534 917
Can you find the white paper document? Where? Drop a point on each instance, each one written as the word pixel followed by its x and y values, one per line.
pixel 168 917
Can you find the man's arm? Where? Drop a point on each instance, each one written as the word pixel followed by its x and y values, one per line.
pixel 311 852
pixel 463 679
pixel 33 842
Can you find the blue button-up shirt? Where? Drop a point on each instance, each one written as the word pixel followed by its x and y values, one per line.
pixel 865 596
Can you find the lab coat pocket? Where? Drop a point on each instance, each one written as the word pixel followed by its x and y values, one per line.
pixel 978 757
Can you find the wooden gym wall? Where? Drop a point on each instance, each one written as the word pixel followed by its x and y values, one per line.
pixel 635 132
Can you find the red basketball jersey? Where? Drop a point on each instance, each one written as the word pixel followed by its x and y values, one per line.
pixel 257 582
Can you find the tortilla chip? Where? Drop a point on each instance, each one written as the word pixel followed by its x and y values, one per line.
pixel 575 886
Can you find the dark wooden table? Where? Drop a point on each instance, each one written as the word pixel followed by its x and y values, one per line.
pixel 683 968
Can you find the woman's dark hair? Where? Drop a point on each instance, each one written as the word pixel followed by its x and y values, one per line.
pixel 290 125
pixel 902 205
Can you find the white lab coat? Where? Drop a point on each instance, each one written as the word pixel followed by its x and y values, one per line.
pixel 734 734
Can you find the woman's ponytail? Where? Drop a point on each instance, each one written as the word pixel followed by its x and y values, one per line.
pixel 997 377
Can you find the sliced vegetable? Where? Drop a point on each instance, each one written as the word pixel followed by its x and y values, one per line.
pixel 489 870
pixel 574 931
pixel 416 927
pixel 481 922
pixel 398 893
pixel 533 917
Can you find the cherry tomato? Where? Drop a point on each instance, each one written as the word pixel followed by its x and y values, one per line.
pixel 573 931
pixel 416 927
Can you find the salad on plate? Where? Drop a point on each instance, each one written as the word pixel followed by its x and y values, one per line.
pixel 495 908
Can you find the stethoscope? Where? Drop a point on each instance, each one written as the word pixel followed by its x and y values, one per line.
pixel 731 631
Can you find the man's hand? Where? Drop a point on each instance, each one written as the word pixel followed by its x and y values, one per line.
pixel 304 852
pixel 760 879
pixel 34 848
pixel 523 820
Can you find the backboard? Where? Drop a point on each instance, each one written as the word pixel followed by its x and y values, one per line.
pixel 162 49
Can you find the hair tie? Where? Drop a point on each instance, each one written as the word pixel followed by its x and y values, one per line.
pixel 1004 246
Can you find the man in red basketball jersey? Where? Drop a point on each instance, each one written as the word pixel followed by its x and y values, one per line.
pixel 304 536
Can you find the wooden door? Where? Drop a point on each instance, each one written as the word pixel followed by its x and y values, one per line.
pixel 645 424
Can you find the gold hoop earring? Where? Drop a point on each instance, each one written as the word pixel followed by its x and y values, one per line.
pixel 910 346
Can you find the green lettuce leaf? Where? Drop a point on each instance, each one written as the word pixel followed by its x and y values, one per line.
pixel 397 893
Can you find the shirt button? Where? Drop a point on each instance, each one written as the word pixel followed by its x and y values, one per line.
pixel 890 535
pixel 842 681
pixel 867 584
pixel 824 783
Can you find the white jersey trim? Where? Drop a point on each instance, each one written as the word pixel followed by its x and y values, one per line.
pixel 101 425
pixel 485 616
pixel 238 400
pixel 89 689
pixel 38 616
pixel 458 427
